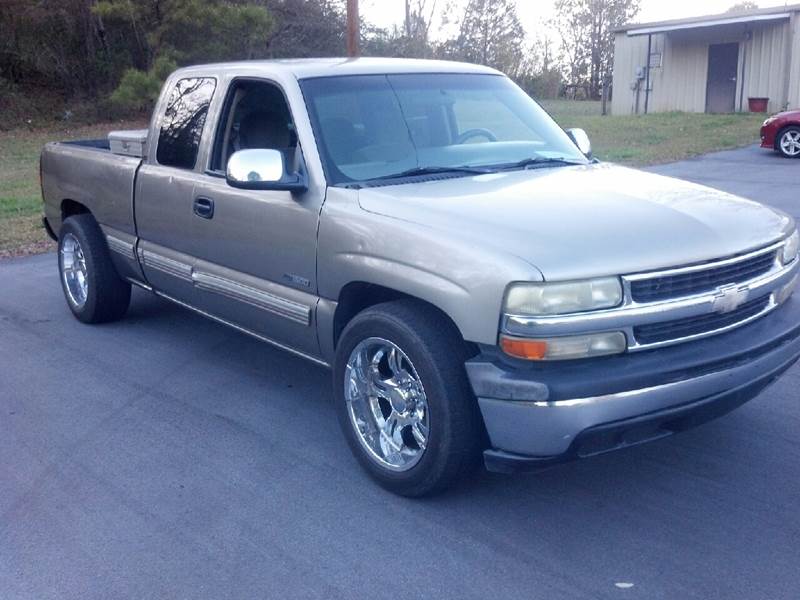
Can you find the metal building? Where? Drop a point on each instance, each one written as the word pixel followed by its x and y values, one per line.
pixel 709 64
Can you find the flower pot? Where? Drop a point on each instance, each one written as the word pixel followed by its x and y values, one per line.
pixel 758 105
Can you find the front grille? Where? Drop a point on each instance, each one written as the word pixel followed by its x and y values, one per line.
pixel 698 282
pixel 680 328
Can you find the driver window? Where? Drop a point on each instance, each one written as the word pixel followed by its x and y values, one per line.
pixel 256 115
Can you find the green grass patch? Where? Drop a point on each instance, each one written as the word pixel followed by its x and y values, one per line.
pixel 20 196
pixel 655 138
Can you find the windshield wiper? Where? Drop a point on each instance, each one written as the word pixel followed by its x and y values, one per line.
pixel 528 163
pixel 432 170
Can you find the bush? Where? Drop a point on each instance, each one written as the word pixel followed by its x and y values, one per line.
pixel 138 90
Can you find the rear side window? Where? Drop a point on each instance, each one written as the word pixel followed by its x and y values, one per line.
pixel 182 124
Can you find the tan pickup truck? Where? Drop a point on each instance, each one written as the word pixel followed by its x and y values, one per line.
pixel 479 285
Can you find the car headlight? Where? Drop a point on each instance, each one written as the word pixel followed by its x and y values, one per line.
pixel 558 298
pixel 783 294
pixel 768 121
pixel 791 248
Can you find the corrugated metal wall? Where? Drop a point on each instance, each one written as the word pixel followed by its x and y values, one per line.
pixel 629 54
pixel 766 72
pixel 794 65
pixel 771 67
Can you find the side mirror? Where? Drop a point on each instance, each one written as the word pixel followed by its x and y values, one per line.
pixel 263 169
pixel 581 140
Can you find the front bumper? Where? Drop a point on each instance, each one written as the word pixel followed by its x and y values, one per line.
pixel 767 135
pixel 537 414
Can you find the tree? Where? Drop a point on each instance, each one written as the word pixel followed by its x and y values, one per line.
pixel 586 28
pixel 490 33
pixel 306 28
pixel 411 39
pixel 153 37
pixel 52 43
pixel 187 31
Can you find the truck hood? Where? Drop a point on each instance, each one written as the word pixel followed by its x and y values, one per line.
pixel 586 221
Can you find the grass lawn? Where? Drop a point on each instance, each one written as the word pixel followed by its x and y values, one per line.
pixel 20 198
pixel 634 140
pixel 655 138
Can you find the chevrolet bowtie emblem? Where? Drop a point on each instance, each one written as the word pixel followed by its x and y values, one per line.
pixel 728 298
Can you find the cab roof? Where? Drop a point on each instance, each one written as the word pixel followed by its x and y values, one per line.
pixel 306 68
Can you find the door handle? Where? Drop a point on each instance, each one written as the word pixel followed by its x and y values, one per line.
pixel 204 207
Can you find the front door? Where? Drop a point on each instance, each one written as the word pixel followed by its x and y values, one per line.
pixel 255 263
pixel 723 61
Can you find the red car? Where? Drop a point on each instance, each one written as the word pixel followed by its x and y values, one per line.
pixel 781 133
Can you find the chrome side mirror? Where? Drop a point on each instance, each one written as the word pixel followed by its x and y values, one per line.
pixel 581 140
pixel 262 169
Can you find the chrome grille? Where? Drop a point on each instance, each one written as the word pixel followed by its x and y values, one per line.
pixel 691 282
pixel 676 305
pixel 653 333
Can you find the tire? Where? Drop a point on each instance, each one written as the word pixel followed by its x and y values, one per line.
pixel 440 410
pixel 787 142
pixel 94 291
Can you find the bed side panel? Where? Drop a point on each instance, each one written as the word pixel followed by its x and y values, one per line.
pixel 101 181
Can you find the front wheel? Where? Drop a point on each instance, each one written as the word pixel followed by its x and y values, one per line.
pixel 403 399
pixel 788 143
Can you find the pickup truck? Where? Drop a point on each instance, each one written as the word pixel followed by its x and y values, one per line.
pixel 478 284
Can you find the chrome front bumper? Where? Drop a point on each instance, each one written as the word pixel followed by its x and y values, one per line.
pixel 540 413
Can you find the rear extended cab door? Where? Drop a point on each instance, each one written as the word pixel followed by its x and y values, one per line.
pixel 165 222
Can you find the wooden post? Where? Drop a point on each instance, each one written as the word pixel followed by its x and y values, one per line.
pixel 353 29
pixel 647 73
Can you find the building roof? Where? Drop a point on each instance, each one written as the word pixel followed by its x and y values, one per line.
pixel 304 68
pixel 730 18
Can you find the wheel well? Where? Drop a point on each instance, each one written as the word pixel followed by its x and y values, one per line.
pixel 358 296
pixel 70 208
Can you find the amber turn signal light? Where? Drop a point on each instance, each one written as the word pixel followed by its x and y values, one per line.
pixel 527 349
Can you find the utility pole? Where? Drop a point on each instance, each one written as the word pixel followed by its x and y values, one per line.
pixel 353 29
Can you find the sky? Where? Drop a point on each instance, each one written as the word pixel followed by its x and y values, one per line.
pixel 385 13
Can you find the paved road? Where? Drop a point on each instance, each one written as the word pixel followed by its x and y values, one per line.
pixel 167 457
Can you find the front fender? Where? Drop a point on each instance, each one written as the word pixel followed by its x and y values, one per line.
pixel 464 280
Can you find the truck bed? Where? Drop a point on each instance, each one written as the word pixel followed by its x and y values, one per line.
pixel 87 172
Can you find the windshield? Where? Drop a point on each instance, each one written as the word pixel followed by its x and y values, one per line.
pixel 379 126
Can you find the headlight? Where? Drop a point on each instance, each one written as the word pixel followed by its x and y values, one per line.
pixel 536 299
pixel 791 248
pixel 786 291
pixel 566 347
pixel 768 121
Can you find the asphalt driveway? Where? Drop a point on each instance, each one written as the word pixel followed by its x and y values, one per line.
pixel 165 456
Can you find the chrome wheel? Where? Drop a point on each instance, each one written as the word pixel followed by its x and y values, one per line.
pixel 73 270
pixel 387 404
pixel 790 142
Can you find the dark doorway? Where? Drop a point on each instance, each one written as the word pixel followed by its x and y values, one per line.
pixel 723 62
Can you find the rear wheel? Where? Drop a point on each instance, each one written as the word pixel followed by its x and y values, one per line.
pixel 94 291
pixel 403 399
pixel 788 142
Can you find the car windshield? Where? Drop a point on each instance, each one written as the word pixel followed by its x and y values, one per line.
pixel 373 127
